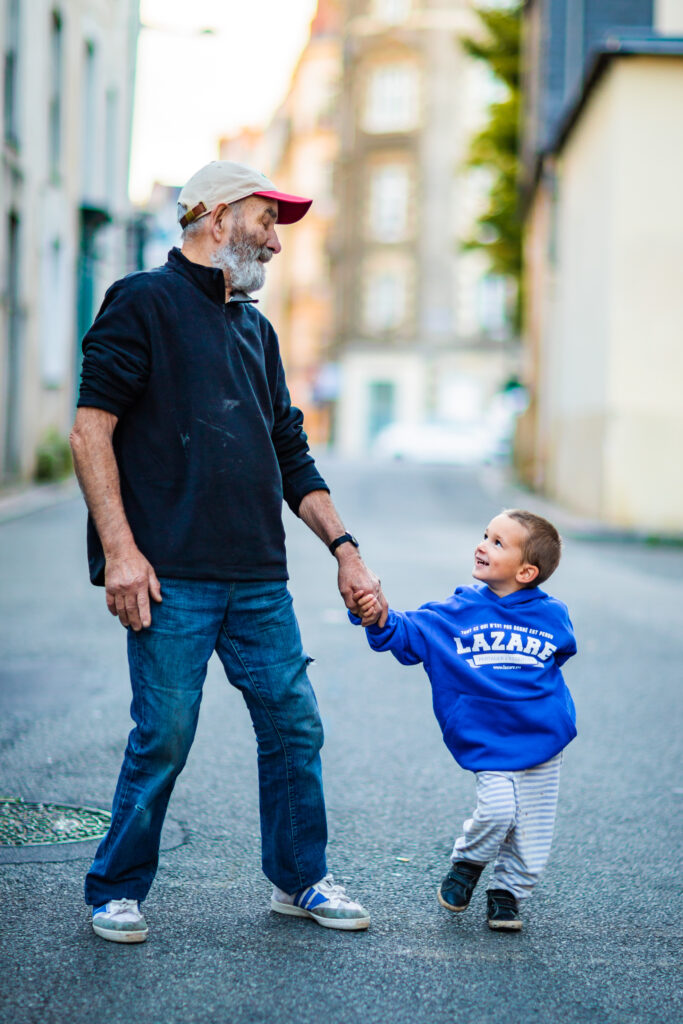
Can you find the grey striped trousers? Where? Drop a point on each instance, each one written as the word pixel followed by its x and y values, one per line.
pixel 512 825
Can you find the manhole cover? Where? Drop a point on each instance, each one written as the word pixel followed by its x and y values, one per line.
pixel 26 824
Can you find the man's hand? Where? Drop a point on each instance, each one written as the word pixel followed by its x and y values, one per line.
pixel 320 515
pixel 129 579
pixel 354 577
pixel 371 609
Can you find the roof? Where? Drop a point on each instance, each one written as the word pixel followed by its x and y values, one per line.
pixel 614 45
pixel 598 61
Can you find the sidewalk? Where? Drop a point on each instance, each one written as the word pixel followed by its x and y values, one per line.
pixel 23 499
pixel 499 479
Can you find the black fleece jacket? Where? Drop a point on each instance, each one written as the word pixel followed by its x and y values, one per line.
pixel 207 440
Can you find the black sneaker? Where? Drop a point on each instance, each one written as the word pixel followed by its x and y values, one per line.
pixel 502 911
pixel 455 892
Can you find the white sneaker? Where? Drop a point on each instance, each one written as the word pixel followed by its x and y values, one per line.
pixel 119 921
pixel 325 902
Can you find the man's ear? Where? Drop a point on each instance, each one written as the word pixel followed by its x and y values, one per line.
pixel 220 218
pixel 527 573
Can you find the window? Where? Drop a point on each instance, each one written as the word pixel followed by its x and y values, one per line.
pixel 89 136
pixel 55 100
pixel 389 196
pixel 54 316
pixel 385 305
pixel 112 158
pixel 392 99
pixel 392 11
pixel 492 294
pixel 12 74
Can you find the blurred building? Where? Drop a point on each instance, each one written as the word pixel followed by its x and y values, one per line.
pixel 603 165
pixel 298 151
pixel 159 226
pixel 420 331
pixel 67 94
pixel 382 319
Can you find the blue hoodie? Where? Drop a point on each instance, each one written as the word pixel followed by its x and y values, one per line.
pixel 494 665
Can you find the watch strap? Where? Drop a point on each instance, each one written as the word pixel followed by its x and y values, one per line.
pixel 345 538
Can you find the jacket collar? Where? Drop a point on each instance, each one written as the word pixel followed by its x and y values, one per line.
pixel 210 280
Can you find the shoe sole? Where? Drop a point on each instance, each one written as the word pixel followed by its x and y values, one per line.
pixel 344 924
pixel 449 906
pixel 114 936
pixel 505 926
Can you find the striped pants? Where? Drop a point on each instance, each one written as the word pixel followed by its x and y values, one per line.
pixel 512 825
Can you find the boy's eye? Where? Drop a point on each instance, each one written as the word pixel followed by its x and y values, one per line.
pixel 499 544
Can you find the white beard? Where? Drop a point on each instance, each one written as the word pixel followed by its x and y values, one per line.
pixel 243 261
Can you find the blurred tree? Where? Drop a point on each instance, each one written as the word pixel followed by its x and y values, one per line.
pixel 496 147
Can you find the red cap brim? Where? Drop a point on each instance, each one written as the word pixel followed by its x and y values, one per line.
pixel 290 208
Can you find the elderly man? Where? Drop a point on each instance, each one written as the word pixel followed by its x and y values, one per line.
pixel 185 443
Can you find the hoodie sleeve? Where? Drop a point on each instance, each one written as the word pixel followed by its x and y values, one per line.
pixel 568 648
pixel 401 635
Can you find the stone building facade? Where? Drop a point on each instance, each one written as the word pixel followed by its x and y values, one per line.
pixel 67 95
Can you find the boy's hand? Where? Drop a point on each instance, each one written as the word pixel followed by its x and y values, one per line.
pixel 371 610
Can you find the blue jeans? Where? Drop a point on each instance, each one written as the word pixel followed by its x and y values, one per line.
pixel 254 631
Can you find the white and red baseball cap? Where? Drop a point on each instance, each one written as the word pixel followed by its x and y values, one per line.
pixel 223 181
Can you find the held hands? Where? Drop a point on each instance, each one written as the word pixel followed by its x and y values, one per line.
pixel 129 580
pixel 354 577
pixel 371 609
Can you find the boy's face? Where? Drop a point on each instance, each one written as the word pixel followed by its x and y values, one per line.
pixel 498 560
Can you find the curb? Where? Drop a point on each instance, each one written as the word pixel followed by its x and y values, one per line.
pixel 23 501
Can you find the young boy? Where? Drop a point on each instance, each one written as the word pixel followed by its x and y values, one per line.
pixel 493 653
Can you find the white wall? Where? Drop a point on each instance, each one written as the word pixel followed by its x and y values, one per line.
pixel 612 352
pixel 96 110
pixel 668 17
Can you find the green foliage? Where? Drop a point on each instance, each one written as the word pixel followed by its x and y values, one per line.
pixel 53 457
pixel 495 148
pixel 501 48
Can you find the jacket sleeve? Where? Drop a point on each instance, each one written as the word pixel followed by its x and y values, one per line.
pixel 297 466
pixel 116 352
pixel 400 634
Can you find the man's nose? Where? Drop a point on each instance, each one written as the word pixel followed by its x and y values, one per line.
pixel 273 242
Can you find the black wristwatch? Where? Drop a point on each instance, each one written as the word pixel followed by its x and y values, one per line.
pixel 345 537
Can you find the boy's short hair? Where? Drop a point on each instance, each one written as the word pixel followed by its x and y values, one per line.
pixel 543 544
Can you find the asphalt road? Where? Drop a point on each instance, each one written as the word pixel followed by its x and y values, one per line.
pixel 601 939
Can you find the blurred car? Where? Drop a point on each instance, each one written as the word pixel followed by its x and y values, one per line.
pixel 458 444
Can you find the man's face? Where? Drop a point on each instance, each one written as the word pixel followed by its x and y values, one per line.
pixel 252 242
pixel 498 559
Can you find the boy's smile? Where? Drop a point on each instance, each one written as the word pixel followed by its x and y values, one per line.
pixel 498 560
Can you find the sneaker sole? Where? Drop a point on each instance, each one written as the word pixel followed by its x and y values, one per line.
pixel 344 924
pixel 505 926
pixel 449 906
pixel 114 936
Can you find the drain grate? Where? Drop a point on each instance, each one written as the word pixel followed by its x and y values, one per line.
pixel 28 824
